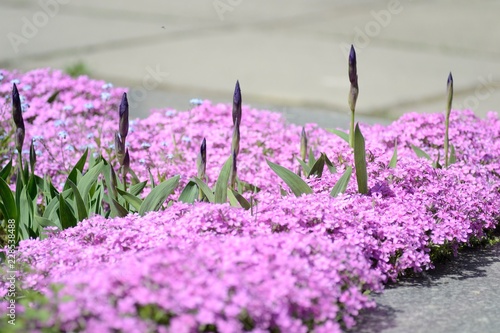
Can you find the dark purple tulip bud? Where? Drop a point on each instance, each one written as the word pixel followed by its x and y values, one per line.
pixel 17 111
pixel 32 156
pixel 449 87
pixel 119 148
pixel 303 144
pixel 235 144
pixel 201 161
pixel 124 117
pixel 353 78
pixel 234 169
pixel 237 104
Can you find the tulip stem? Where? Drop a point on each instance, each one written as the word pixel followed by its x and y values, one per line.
pixel 351 131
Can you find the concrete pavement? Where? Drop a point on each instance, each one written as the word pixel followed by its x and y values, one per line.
pixel 287 54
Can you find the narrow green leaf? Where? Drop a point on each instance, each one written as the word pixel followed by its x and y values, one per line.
pixel 239 198
pixel 339 133
pixel 53 97
pixel 26 212
pixel 306 168
pixel 66 215
pixel 420 152
pixel 341 185
pixel 117 210
pixel 131 199
pixel 31 187
pixel 436 163
pixel 151 179
pixel 330 165
pixel 189 193
pixel 312 159
pixel 73 175
pixel 136 189
pixel 5 173
pixel 88 180
pixel 79 204
pixel 296 184
pixel 394 158
pixel 158 195
pixel 205 189
pixel 453 156
pixel 8 201
pixel 46 222
pixel 360 161
pixel 317 168
pixel 221 184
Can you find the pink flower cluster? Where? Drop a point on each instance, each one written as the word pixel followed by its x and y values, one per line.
pixel 289 265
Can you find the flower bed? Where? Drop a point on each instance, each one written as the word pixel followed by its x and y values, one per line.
pixel 291 264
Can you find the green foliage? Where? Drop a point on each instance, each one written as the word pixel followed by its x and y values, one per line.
pixel 420 152
pixel 360 161
pixel 341 185
pixel 296 184
pixel 394 160
pixel 343 135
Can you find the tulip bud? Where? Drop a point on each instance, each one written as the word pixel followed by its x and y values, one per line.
pixel 17 112
pixel 353 78
pixel 303 144
pixel 32 156
pixel 237 104
pixel 449 87
pixel 202 160
pixel 124 117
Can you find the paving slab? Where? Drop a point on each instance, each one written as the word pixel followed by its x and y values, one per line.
pixel 459 296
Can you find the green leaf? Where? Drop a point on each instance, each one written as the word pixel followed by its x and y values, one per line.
pixel 117 210
pixel 151 179
pixel 221 184
pixel 340 134
pixel 158 195
pixel 306 168
pixel 66 215
pixel 5 173
pixel 453 156
pixel 205 189
pixel 73 175
pixel 394 158
pixel 420 152
pixel 136 189
pixel 330 165
pixel 26 211
pixel 79 204
pixel 242 202
pixel 31 187
pixel 436 163
pixel 341 185
pixel 189 193
pixel 88 180
pixel 360 161
pixel 53 97
pixel 45 222
pixel 131 199
pixel 312 160
pixel 9 204
pixel 317 168
pixel 296 184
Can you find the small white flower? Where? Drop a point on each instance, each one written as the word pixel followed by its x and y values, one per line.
pixel 196 101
